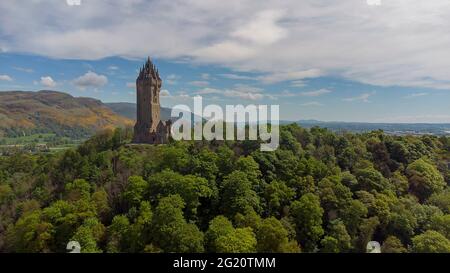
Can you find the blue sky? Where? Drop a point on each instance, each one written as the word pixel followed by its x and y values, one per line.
pixel 372 61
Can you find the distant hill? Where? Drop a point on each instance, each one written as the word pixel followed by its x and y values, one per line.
pixel 128 110
pixel 389 128
pixel 23 112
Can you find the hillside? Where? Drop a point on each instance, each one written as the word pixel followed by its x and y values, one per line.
pixel 56 112
pixel 128 110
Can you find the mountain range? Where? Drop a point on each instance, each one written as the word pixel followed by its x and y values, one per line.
pixel 23 112
pixel 27 112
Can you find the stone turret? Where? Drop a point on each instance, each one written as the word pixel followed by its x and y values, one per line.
pixel 149 128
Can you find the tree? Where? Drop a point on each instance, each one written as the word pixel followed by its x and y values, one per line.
pixel 249 166
pixel 393 245
pixel 352 213
pixel 78 189
pixel 117 234
pixel 366 232
pixel 219 226
pixel 424 179
pixel 204 164
pixel 307 213
pixel 89 234
pixel 329 245
pixel 140 230
pixel 272 236
pixel 441 224
pixel 370 179
pixel 249 218
pixel 242 240
pixel 237 194
pixel 400 183
pixel 135 190
pixel 100 200
pixel 441 200
pixel 191 188
pixel 430 242
pixel 338 231
pixel 30 234
pixel 225 160
pixel 170 231
pixel 278 195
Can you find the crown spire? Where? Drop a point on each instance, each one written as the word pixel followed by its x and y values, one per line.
pixel 149 69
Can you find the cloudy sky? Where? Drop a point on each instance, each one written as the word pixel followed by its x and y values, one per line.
pixel 352 60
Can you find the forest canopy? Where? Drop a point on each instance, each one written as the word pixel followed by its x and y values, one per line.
pixel 319 192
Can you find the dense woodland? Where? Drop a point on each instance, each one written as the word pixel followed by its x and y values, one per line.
pixel 319 192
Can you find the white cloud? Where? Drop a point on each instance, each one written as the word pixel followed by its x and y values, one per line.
pixel 236 77
pixel 208 90
pixel 23 69
pixel 287 94
pixel 199 83
pixel 316 93
pixel 205 76
pixel 415 95
pixel 5 78
pixel 312 103
pixel 238 91
pixel 225 52
pixel 363 97
pixel 262 29
pixel 90 79
pixel 113 67
pixel 298 83
pixel 164 93
pixel 47 82
pixel 399 42
pixel 290 75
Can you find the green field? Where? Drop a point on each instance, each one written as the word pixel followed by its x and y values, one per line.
pixel 48 142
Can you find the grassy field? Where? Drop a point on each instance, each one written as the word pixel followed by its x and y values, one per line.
pixel 48 142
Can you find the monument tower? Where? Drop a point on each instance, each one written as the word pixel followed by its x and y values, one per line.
pixel 149 128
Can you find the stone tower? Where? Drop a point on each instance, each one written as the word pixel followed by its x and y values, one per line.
pixel 149 128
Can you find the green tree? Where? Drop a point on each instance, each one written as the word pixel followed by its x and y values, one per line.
pixel 170 231
pixel 117 234
pixel 272 236
pixel 191 188
pixel 219 226
pixel 242 240
pixel 237 194
pixel 89 234
pixel 370 179
pixel 308 213
pixel 278 195
pixel 329 245
pixel 338 231
pixel 441 200
pixel 135 190
pixel 441 223
pixel 78 189
pixel 393 245
pixel 430 242
pixel 30 234
pixel 424 179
